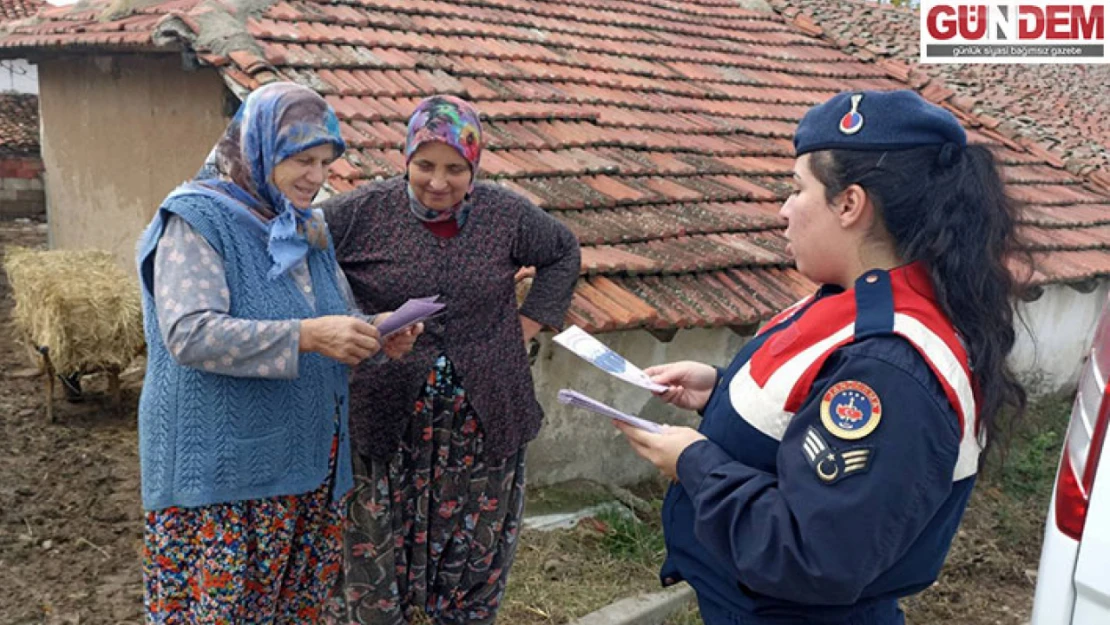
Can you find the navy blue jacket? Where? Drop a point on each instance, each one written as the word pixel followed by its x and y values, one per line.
pixel 815 528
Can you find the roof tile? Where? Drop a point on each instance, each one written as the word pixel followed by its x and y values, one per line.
pixel 641 312
pixel 613 190
pixel 19 9
pixel 19 124
pixel 586 314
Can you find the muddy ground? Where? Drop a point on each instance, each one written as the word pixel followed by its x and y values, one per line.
pixel 70 522
pixel 70 519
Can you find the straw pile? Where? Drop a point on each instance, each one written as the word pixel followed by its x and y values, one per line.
pixel 79 304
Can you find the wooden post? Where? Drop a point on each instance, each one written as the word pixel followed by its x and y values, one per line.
pixel 113 389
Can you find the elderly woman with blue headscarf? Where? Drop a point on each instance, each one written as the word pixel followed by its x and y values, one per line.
pixel 251 328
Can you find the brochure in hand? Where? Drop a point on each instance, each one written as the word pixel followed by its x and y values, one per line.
pixel 412 311
pixel 578 400
pixel 590 349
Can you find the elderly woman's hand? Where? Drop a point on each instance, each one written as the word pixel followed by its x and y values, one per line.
pixel 400 344
pixel 346 339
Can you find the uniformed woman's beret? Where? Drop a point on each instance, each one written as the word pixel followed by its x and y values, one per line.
pixel 876 120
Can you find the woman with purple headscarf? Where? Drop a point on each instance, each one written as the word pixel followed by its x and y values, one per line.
pixel 439 436
pixel 250 329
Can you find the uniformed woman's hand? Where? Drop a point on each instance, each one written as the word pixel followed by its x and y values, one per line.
pixel 661 449
pixel 691 383
pixel 339 337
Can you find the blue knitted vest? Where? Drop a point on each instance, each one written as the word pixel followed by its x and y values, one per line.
pixel 206 438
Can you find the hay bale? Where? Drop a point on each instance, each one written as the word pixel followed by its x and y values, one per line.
pixel 79 304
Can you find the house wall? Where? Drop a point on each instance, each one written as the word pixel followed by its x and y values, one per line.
pixel 21 187
pixel 574 444
pixel 578 444
pixel 119 133
pixel 1063 321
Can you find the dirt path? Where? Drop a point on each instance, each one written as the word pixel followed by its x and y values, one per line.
pixel 70 521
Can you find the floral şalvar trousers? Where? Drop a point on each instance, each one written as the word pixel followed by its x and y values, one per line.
pixel 435 527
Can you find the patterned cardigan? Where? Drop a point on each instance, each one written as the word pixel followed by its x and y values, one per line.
pixel 389 256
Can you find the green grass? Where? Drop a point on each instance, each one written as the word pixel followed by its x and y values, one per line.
pixel 629 538
pixel 1018 480
pixel 1030 473
pixel 1028 466
pixel 562 575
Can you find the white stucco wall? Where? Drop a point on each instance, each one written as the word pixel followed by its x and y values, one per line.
pixel 18 75
pixel 1062 321
pixel 578 444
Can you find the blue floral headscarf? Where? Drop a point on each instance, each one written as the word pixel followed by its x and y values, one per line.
pixel 274 122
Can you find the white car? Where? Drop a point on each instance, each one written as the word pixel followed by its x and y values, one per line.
pixel 1073 582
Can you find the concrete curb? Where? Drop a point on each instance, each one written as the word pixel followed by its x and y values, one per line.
pixel 645 609
pixel 567 520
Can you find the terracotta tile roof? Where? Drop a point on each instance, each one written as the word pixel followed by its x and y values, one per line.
pixel 18 9
pixel 657 130
pixel 95 23
pixel 1062 107
pixel 19 124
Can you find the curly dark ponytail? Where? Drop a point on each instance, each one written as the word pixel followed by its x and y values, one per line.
pixel 946 206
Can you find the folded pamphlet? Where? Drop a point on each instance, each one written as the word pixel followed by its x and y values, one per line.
pixel 578 400
pixel 594 351
pixel 411 312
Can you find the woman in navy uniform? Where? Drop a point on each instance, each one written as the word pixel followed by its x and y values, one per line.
pixel 838 449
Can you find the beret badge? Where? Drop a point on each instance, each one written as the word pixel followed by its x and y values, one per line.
pixel 852 121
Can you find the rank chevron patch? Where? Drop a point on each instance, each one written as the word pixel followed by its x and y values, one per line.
pixel 833 465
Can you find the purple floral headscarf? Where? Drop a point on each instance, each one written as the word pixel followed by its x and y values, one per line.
pixel 450 120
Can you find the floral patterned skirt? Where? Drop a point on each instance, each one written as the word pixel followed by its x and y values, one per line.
pixel 436 526
pixel 273 560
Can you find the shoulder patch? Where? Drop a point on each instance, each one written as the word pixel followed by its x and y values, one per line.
pixel 851 410
pixel 833 465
